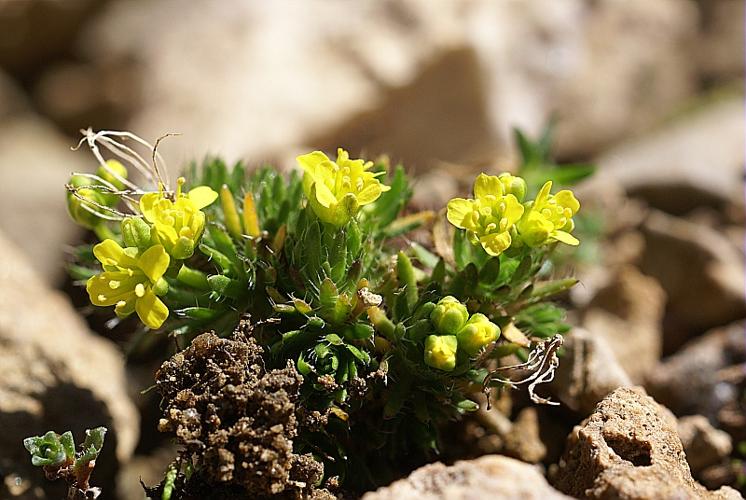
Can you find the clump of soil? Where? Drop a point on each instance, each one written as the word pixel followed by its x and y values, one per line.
pixel 235 421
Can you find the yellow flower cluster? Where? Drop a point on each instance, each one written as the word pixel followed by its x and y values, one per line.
pixel 132 278
pixel 496 218
pixel 456 331
pixel 337 189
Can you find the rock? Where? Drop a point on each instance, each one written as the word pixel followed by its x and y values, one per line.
pixel 35 163
pixel 703 444
pixel 701 272
pixel 434 81
pixel 56 375
pixel 629 449
pixel 150 469
pixel 22 49
pixel 720 51
pixel 627 313
pixel 620 81
pixel 524 441
pixel 677 167
pixel 491 477
pixel 696 379
pixel 588 371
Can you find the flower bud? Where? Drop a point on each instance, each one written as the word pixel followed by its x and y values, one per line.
pixel 478 332
pixel 513 185
pixel 136 232
pixel 81 203
pixel 440 352
pixel 108 174
pixel 449 316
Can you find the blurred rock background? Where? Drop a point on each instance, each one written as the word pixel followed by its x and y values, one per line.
pixel 651 91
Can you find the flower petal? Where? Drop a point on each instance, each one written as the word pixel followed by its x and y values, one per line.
pixel 147 205
pixel 323 195
pixel 101 293
pixel 458 209
pixel 309 162
pixel 487 184
pixel 543 195
pixel 109 253
pixel 151 310
pixel 495 243
pixel 513 209
pixel 566 198
pixel 370 193
pixel 566 238
pixel 202 196
pixel 154 262
pixel 126 306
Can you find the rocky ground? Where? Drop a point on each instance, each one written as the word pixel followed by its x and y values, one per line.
pixel 650 91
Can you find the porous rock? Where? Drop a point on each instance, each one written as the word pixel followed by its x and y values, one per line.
pixel 491 477
pixel 629 449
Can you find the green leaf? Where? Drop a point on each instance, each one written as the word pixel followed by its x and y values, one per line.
pixel 304 368
pixel 407 280
pixel 334 339
pixel 360 355
pixel 92 446
pixel 390 203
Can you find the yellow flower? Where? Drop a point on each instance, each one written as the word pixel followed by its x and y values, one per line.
pixel 440 352
pixel 549 218
pixel 337 190
pixel 478 332
pixel 489 217
pixel 177 225
pixel 131 281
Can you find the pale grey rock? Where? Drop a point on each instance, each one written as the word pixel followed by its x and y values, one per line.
pixel 492 477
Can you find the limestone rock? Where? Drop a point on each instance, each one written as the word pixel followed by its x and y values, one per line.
pixel 629 449
pixel 492 477
pixel 627 312
pixel 703 444
pixel 56 375
pixel 588 371
pixel 701 272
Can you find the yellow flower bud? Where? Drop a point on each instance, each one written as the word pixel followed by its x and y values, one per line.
pixel 489 218
pixel 112 173
pixel 513 185
pixel 82 205
pixel 440 352
pixel 549 218
pixel 337 190
pixel 449 316
pixel 478 332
